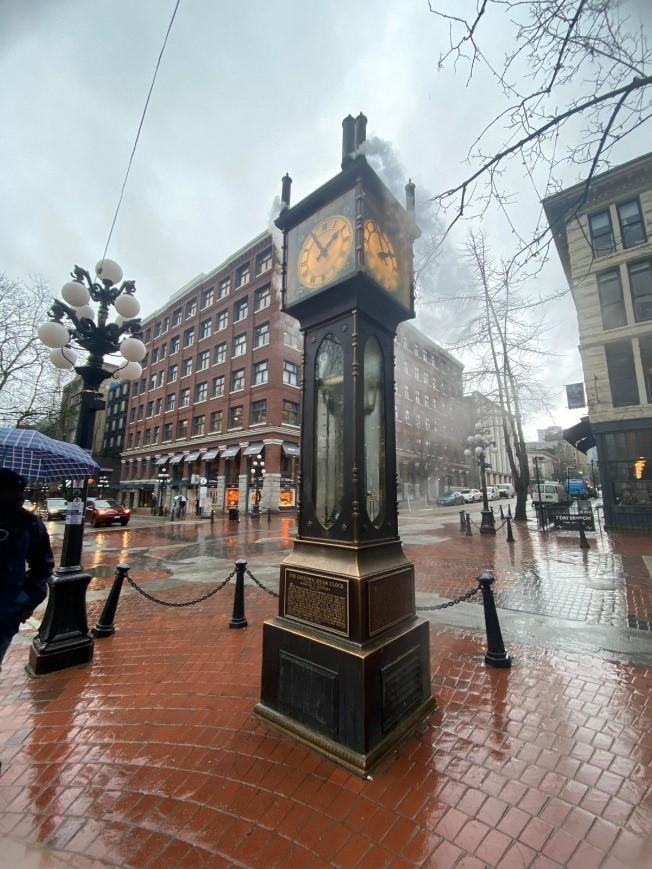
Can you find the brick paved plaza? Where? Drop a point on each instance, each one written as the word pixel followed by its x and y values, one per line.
pixel 152 757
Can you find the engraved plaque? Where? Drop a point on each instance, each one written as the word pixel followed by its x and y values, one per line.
pixel 308 693
pixel 317 600
pixel 391 599
pixel 400 687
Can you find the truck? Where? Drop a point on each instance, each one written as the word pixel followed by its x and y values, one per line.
pixel 577 489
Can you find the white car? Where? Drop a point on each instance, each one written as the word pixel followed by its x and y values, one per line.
pixel 505 490
pixel 492 493
pixel 471 495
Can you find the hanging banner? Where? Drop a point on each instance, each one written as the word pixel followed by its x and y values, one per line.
pixel 575 395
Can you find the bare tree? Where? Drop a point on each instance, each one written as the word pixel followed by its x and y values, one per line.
pixel 571 64
pixel 30 388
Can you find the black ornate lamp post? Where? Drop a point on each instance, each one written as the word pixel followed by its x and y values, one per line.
pixel 163 478
pixel 257 480
pixel 102 484
pixel 63 639
pixel 479 446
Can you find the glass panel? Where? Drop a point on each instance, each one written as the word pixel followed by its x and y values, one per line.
pixel 631 223
pixel 374 431
pixel 329 431
pixel 645 343
pixel 601 234
pixel 622 374
pixel 640 280
pixel 612 304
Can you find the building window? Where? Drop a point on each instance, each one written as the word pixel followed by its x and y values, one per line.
pixel 167 432
pixel 407 416
pixel 203 360
pixel 224 288
pixel 640 282
pixel 182 429
pixel 622 374
pixel 148 437
pixel 290 373
pixel 138 436
pixel 240 309
pixel 407 392
pixel 630 218
pixel 153 356
pixel 242 275
pixel 612 303
pixel 645 343
pixel 176 317
pixel 130 441
pixel 235 417
pixel 262 298
pixel 417 397
pixel 157 330
pixel 162 350
pixel 205 328
pixel 201 391
pixel 191 308
pixel 207 297
pixel 237 380
pixel 258 412
pixel 602 237
pixel 240 345
pixel 198 425
pixel 152 381
pixel 150 409
pixel 184 397
pixel 175 343
pixel 222 320
pixel 261 335
pixel 157 406
pixel 132 414
pixel 216 421
pixel 219 354
pixel 141 411
pixel 155 434
pixel 290 415
pixel 165 326
pixel 264 261
pixel 291 338
pixel 218 386
pixel 189 336
pixel 186 367
pixel 260 372
pixel 173 371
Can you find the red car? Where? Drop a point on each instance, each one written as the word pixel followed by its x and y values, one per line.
pixel 106 512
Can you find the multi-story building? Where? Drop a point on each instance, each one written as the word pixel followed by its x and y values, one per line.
pixel 602 233
pixel 221 385
pixel 484 412
pixel 430 417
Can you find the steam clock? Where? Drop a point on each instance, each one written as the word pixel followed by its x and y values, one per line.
pixel 346 664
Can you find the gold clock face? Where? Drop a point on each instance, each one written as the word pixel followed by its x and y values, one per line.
pixel 380 257
pixel 325 251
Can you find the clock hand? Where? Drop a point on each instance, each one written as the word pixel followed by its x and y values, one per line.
pixel 322 250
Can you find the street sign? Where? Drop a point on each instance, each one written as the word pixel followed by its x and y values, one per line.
pixel 575 395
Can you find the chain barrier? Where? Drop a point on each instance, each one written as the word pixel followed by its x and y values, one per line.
pixel 461 599
pixel 497 527
pixel 259 584
pixel 183 603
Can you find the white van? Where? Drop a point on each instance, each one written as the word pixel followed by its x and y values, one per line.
pixel 505 490
pixel 550 493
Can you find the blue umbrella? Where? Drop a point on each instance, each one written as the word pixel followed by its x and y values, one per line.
pixel 37 457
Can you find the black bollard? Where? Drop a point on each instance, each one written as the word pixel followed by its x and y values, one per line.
pixel 509 510
pixel 238 619
pixel 105 626
pixel 462 521
pixel 469 533
pixel 212 516
pixel 510 535
pixel 502 515
pixel 584 543
pixel 496 655
pixel 269 515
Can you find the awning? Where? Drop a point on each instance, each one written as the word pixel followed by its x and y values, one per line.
pixel 580 435
pixel 230 452
pixel 162 460
pixel 291 449
pixel 175 460
pixel 254 449
pixel 210 455
pixel 192 457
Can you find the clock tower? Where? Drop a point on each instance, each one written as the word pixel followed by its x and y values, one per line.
pixel 346 663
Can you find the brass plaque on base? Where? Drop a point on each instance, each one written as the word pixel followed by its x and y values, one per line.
pixel 317 600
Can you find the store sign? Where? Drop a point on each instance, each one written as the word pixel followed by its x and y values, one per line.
pixel 232 498
pixel 575 395
pixel 287 498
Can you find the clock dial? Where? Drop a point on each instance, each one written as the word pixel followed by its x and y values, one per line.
pixel 380 257
pixel 325 251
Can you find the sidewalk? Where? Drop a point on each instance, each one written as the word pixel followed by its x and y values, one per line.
pixel 151 756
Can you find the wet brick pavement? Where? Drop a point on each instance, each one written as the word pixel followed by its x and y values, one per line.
pixel 151 756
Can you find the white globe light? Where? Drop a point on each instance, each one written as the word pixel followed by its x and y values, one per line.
pixel 478 451
pixel 129 371
pixel 53 334
pixel 468 453
pixel 75 294
pixel 470 439
pixel 64 359
pixel 127 305
pixel 108 270
pixel 133 349
pixel 86 312
pixel 119 320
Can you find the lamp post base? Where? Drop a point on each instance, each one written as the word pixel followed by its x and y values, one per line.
pixel 488 525
pixel 63 639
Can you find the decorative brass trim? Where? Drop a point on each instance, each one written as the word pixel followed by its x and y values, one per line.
pixel 319 575
pixel 401 618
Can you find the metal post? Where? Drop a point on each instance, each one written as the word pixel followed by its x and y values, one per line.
pixel 238 619
pixel 269 515
pixel 212 516
pixel 510 535
pixel 496 655
pixel 462 521
pixel 509 510
pixel 584 543
pixel 488 524
pixel 502 515
pixel 469 533
pixel 105 626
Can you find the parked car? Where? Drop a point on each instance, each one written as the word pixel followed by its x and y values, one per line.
pixel 471 495
pixel 450 499
pixel 549 492
pixel 105 512
pixel 56 508
pixel 505 490
pixel 492 493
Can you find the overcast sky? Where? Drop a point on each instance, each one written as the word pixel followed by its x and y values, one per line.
pixel 246 91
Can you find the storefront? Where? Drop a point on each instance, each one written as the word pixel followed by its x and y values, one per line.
pixel 287 496
pixel 231 458
pixel 625 463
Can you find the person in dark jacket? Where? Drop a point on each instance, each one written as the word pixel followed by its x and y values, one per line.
pixel 26 559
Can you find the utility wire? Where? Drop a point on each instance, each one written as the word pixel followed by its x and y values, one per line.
pixel 140 126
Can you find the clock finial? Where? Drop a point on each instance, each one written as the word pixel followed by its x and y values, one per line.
pixel 410 197
pixel 360 130
pixel 348 140
pixel 286 187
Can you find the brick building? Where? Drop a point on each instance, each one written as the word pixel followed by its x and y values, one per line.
pixel 221 384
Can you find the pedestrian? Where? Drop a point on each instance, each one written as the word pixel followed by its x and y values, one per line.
pixel 197 507
pixel 23 541
pixel 182 506
pixel 176 507
pixel 154 505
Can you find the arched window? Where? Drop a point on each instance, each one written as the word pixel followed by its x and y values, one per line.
pixel 374 431
pixel 329 431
